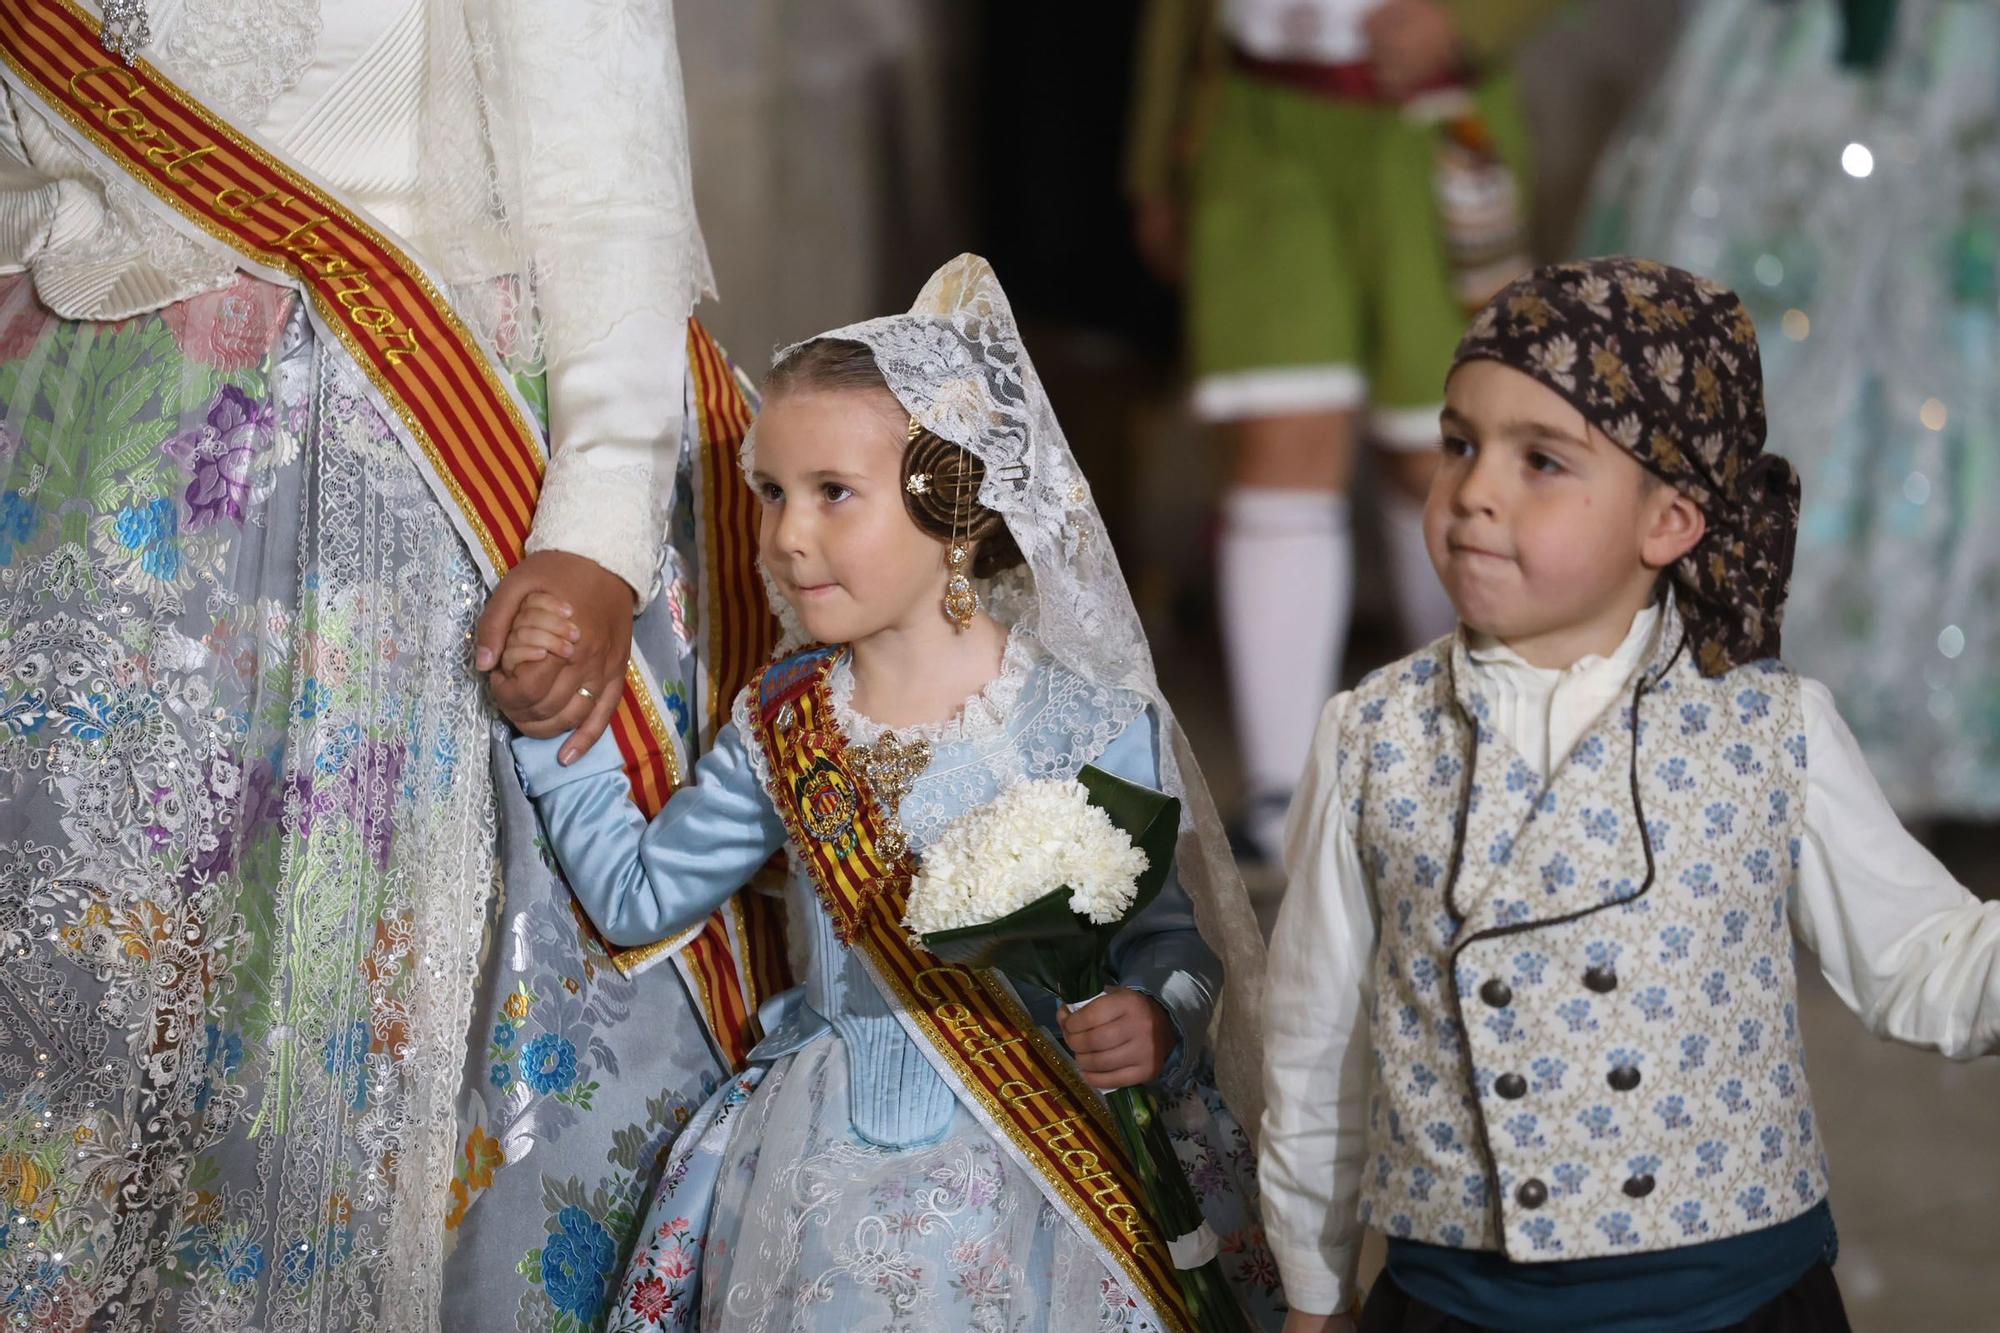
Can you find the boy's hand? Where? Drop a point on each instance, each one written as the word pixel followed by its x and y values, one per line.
pixel 1412 43
pixel 1297 1322
pixel 1120 1039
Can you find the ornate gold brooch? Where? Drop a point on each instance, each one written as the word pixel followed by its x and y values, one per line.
pixel 891 768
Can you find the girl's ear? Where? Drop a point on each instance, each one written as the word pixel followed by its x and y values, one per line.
pixel 1675 525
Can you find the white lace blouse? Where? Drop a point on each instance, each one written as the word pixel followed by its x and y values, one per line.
pixel 340 89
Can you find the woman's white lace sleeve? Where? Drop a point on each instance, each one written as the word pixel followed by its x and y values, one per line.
pixel 589 137
pixel 615 418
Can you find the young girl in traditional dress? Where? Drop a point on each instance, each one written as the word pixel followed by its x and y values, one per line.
pixel 924 519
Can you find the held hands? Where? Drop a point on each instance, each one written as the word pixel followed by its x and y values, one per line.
pixel 577 637
pixel 1121 1039
pixel 1412 43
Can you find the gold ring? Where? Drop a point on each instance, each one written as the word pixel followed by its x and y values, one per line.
pixel 584 690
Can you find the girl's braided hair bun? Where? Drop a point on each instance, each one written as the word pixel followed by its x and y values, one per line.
pixel 940 479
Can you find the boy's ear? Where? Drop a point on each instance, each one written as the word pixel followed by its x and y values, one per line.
pixel 1675 525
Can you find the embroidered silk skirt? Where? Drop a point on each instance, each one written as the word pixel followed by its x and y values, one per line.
pixel 270 1040
pixel 774 1217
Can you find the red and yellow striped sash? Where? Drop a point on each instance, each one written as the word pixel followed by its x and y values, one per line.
pixel 974 1028
pixel 473 436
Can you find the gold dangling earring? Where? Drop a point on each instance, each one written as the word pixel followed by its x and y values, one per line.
pixel 961 599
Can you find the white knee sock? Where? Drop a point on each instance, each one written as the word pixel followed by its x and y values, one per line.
pixel 1286 572
pixel 1425 609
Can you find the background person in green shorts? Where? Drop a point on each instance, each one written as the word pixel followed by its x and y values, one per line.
pixel 1335 181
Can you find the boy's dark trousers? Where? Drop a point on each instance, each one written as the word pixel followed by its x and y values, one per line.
pixel 1810 1305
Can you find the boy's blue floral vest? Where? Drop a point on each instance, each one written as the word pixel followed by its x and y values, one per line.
pixel 1585 1024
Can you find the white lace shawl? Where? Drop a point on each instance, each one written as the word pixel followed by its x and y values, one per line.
pixel 556 198
pixel 550 190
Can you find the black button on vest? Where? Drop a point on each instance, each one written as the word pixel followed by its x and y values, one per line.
pixel 1532 1194
pixel 1638 1187
pixel 1603 980
pixel 1624 1078
pixel 1511 1086
pixel 1496 993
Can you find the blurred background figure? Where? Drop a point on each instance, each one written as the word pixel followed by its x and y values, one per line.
pixel 843 147
pixel 1839 165
pixel 1337 183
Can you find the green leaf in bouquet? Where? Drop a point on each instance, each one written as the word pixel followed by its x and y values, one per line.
pixel 1044 943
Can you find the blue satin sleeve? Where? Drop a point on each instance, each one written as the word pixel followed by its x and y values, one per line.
pixel 1160 952
pixel 641 881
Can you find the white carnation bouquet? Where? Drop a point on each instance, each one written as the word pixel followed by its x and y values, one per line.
pixel 1037 883
pixel 1037 837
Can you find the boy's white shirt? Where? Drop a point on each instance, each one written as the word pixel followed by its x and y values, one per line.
pixel 1905 946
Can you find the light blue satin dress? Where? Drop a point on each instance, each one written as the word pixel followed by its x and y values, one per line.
pixel 841 1184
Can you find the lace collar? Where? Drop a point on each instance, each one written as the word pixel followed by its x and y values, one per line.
pixel 982 717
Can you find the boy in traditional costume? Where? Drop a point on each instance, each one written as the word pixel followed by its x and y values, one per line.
pixel 1534 1012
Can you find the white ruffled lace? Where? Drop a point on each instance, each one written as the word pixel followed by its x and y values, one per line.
pixel 239 56
pixel 610 514
pixel 981 718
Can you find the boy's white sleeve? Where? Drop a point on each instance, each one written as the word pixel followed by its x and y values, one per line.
pixel 1316 1048
pixel 1905 946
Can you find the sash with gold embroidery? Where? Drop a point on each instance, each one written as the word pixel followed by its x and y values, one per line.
pixel 461 417
pixel 968 1023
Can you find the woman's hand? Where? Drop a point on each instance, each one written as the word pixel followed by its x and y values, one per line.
pixel 1120 1039
pixel 544 697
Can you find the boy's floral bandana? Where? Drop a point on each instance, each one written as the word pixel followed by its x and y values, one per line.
pixel 1665 363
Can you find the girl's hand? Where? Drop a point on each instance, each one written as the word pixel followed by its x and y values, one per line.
pixel 547 698
pixel 542 628
pixel 1120 1039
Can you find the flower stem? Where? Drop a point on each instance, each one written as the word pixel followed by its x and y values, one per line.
pixel 1176 1211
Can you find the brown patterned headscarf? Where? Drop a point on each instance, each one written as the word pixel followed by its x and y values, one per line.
pixel 1665 363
